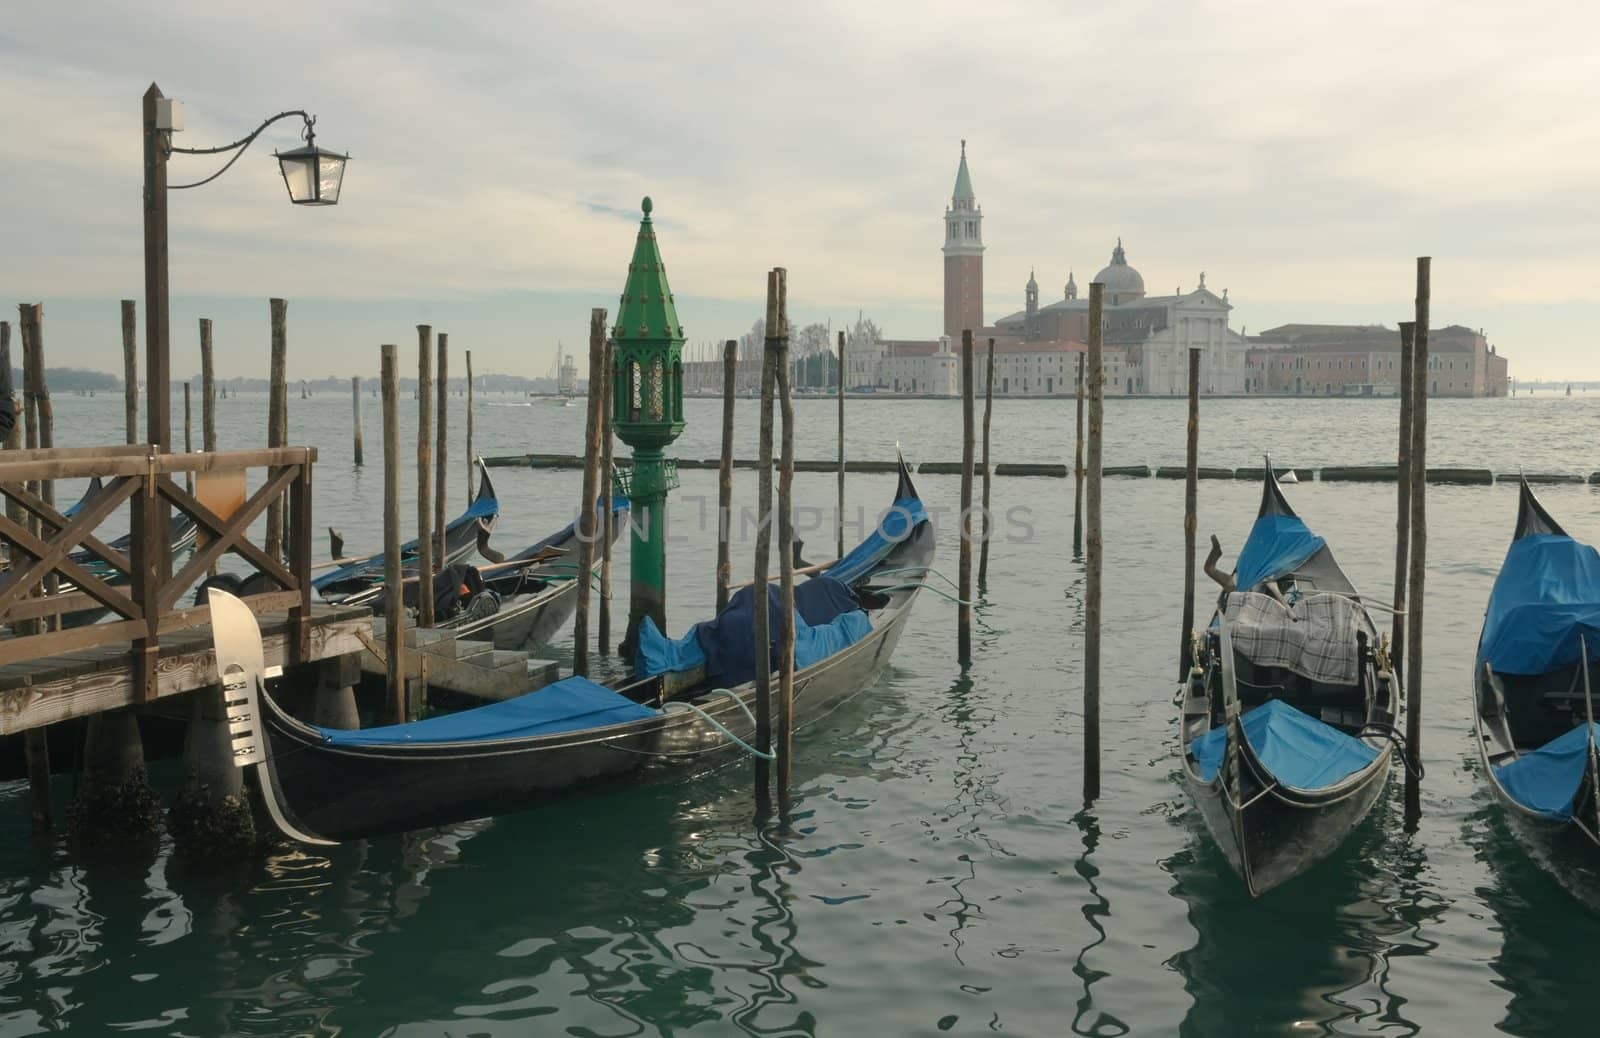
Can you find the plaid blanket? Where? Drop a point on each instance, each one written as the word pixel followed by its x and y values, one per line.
pixel 1315 637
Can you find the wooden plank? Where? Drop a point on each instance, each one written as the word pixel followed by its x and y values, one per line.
pixel 229 534
pixel 122 487
pixel 36 646
pixel 83 693
pixel 103 593
pixel 53 556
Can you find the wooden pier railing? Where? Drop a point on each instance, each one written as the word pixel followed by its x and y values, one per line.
pixel 58 565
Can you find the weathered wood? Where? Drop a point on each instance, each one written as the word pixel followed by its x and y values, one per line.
pixel 607 516
pixel 157 311
pixel 1419 541
pixel 1096 548
pixel 1402 522
pixel 300 534
pixel 730 367
pixel 394 608
pixel 786 624
pixel 838 517
pixel 208 389
pixel 425 561
pixel 1077 472
pixel 355 419
pixel 278 413
pixel 588 524
pixel 83 462
pixel 471 468
pixel 441 454
pixel 1191 519
pixel 188 433
pixel 964 555
pixel 228 534
pixel 130 370
pixel 41 410
pixel 184 665
pixel 988 471
pixel 762 628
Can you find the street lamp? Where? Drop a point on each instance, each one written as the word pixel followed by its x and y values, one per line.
pixel 313 176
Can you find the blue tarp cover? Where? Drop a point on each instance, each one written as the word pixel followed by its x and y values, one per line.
pixel 1298 749
pixel 1277 545
pixel 1546 596
pixel 895 526
pixel 570 705
pixel 658 654
pixel 1547 779
pixel 729 640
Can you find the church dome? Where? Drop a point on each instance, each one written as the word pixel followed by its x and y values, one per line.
pixel 1122 283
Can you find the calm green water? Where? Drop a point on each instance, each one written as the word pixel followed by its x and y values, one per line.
pixel 942 874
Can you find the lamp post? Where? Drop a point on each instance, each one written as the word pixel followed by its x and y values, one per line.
pixel 312 175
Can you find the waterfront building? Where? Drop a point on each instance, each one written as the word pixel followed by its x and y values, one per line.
pixel 1364 360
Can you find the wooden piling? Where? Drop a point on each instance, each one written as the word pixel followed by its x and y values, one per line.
pixel 1096 548
pixel 424 472
pixel 730 365
pixel 838 517
pixel 208 390
pixel 608 517
pixel 393 574
pixel 1077 472
pixel 130 369
pixel 588 525
pixel 441 454
pixel 786 625
pixel 471 468
pixel 1419 540
pixel 1402 522
pixel 964 560
pixel 278 415
pixel 355 416
pixel 188 431
pixel 762 628
pixel 988 470
pixel 1190 516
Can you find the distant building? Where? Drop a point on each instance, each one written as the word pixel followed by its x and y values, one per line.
pixel 1363 360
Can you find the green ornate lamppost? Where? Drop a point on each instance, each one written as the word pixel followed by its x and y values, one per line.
pixel 647 390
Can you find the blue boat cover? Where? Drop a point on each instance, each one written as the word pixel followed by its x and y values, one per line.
pixel 1546 596
pixel 729 640
pixel 655 653
pixel 1547 780
pixel 570 705
pixel 896 525
pixel 1299 750
pixel 1277 545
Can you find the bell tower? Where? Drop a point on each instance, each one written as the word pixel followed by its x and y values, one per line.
pixel 963 256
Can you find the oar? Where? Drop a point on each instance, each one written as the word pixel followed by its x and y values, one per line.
pixel 802 571
pixel 335 563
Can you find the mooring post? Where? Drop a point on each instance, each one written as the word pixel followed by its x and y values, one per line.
pixel 607 518
pixel 130 369
pixel 838 517
pixel 393 573
pixel 1077 472
pixel 730 364
pixel 471 468
pixel 188 431
pixel 424 476
pixel 1402 522
pixel 988 525
pixel 355 416
pixel 1419 542
pixel 278 415
pixel 208 390
pixel 441 453
pixel 36 747
pixel 786 625
pixel 1191 520
pixel 115 804
pixel 588 526
pixel 1096 547
pixel 964 557
pixel 762 628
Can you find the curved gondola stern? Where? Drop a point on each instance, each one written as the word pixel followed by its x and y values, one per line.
pixel 1531 516
pixel 905 490
pixel 485 491
pixel 236 637
pixel 1272 500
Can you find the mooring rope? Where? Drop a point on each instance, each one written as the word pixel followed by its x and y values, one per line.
pixel 678 706
pixel 931 590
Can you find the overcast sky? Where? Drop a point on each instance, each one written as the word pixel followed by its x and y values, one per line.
pixel 1301 154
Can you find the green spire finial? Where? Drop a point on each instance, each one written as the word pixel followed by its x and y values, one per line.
pixel 646 206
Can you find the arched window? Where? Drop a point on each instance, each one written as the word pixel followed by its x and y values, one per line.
pixel 633 390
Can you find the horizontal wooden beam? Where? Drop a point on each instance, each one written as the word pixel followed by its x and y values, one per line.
pixel 48 700
pixel 86 462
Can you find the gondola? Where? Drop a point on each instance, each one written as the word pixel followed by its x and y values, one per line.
pixel 1533 696
pixel 1290 711
pixel 688 709
pixel 361 581
pixel 522 602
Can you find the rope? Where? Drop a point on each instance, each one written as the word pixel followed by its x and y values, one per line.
pixel 1384 730
pixel 679 706
pixel 931 590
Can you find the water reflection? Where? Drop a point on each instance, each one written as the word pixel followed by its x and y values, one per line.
pixel 1088 1019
